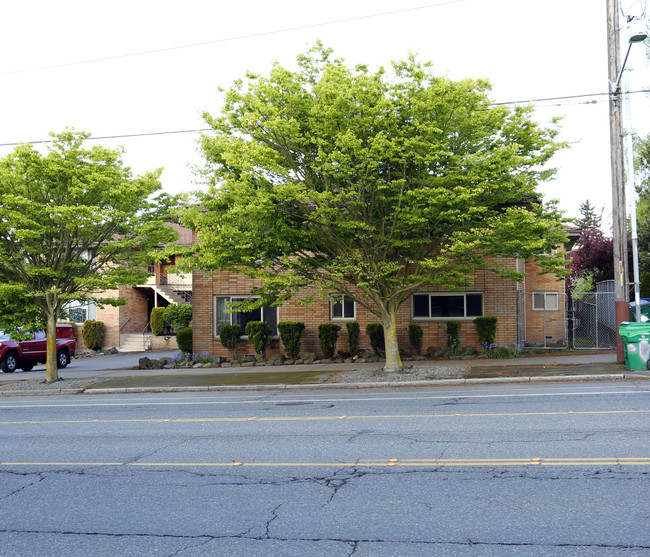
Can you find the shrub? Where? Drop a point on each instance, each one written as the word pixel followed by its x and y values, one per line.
pixel 415 337
pixel 501 352
pixel 328 334
pixel 157 321
pixel 486 330
pixel 230 338
pixel 453 334
pixel 375 332
pixel 184 340
pixel 290 333
pixel 93 334
pixel 178 316
pixel 353 329
pixel 258 333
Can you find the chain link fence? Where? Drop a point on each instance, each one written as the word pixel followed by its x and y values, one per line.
pixel 593 316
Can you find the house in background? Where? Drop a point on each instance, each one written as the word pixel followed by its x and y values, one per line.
pixel 127 326
pixel 529 313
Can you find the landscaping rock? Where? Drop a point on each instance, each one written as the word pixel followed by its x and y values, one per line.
pixel 277 360
pixel 144 363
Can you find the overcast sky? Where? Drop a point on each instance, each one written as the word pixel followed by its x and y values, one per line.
pixel 75 63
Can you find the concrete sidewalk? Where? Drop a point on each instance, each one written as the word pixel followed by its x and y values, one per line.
pixel 120 376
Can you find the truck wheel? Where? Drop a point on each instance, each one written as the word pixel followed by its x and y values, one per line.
pixel 10 363
pixel 27 366
pixel 62 359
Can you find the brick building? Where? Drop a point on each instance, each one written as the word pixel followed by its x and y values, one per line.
pixel 127 326
pixel 532 311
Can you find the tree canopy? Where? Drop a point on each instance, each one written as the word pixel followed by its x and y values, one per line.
pixel 372 184
pixel 73 222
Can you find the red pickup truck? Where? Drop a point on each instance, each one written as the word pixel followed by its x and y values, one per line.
pixel 25 354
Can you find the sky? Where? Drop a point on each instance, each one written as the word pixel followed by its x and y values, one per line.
pixel 143 68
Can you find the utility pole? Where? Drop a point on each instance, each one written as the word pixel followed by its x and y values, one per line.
pixel 618 174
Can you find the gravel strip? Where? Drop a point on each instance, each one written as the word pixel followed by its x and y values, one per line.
pixel 409 374
pixel 37 385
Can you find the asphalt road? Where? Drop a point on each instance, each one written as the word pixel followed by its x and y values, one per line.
pixel 503 470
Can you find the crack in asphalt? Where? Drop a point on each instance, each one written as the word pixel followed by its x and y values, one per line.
pixel 40 476
pixel 354 543
pixel 274 515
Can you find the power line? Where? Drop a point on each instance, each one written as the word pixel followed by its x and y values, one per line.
pixel 237 38
pixel 198 130
pixel 121 136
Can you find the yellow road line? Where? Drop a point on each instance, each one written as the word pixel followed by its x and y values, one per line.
pixel 324 418
pixel 604 461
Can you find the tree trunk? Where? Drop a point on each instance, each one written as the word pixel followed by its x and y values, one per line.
pixel 393 359
pixel 51 367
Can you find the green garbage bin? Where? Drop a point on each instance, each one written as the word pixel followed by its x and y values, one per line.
pixel 636 343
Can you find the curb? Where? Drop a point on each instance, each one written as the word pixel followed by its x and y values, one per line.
pixel 368 385
pixel 330 386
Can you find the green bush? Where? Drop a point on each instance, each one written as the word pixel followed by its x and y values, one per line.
pixel 486 330
pixel 415 334
pixel 375 332
pixel 178 316
pixel 93 334
pixel 353 329
pixel 184 340
pixel 290 333
pixel 328 334
pixel 258 333
pixel 230 337
pixel 157 321
pixel 453 334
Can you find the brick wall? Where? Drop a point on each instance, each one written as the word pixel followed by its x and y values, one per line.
pixel 499 298
pixel 544 327
pixel 110 316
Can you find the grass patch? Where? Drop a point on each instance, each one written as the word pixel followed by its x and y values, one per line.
pixel 269 378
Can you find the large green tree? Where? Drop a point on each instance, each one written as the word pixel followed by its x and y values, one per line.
pixel 372 184
pixel 73 222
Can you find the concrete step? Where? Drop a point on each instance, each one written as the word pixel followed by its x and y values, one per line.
pixel 133 342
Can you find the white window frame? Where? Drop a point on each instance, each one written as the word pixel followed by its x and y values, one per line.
pixel 546 306
pixel 447 294
pixel 342 304
pixel 216 326
pixel 87 309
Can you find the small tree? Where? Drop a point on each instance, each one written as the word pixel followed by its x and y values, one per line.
pixel 353 331
pixel 328 334
pixel 230 337
pixel 75 221
pixel 157 320
pixel 178 316
pixel 93 334
pixel 486 330
pixel 375 332
pixel 290 333
pixel 258 333
pixel 415 334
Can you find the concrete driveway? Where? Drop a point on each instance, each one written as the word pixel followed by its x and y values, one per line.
pixel 96 366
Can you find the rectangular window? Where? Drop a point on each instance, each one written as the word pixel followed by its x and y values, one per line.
pixel 345 309
pixel 546 301
pixel 447 306
pixel 224 317
pixel 79 312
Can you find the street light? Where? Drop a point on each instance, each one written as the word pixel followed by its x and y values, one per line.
pixel 636 37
